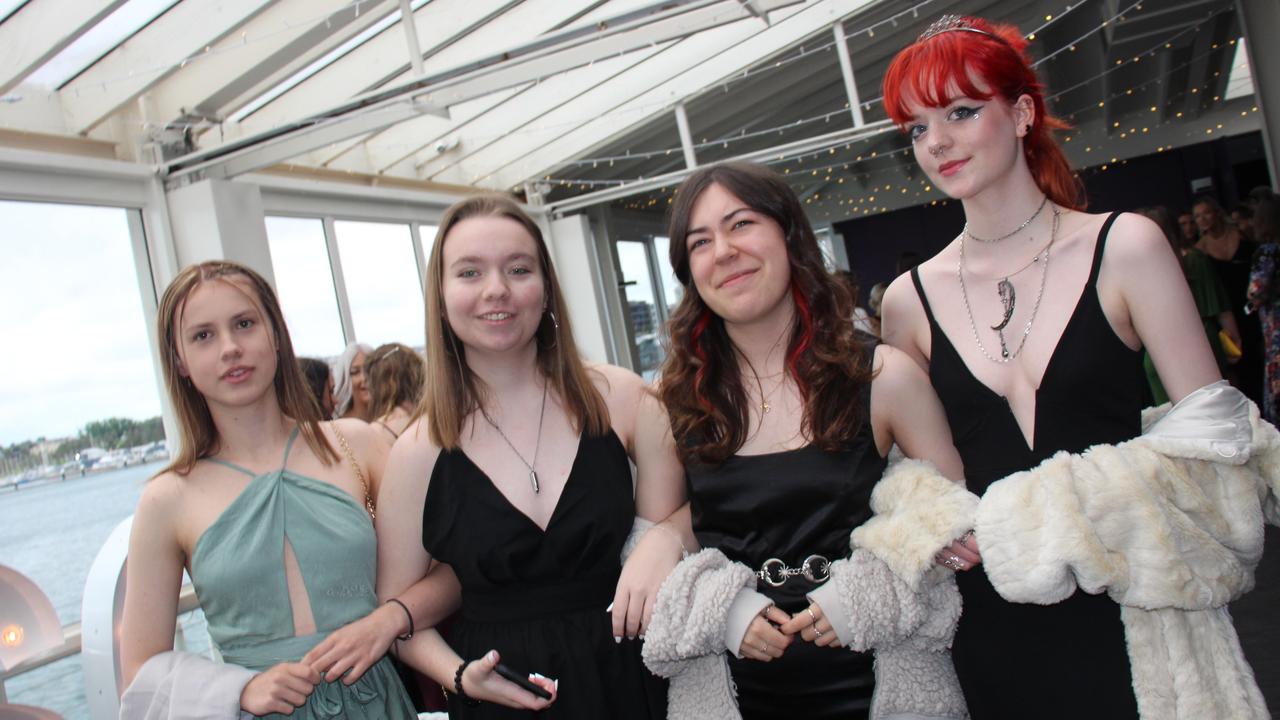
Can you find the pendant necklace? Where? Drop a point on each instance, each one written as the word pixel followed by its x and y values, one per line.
pixel 533 474
pixel 765 405
pixel 1008 297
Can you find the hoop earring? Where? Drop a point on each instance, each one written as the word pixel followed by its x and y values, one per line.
pixel 555 331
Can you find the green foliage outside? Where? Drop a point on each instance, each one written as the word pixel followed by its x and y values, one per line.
pixel 108 434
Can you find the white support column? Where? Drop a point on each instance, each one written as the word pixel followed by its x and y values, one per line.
pixel 411 37
pixel 1259 20
pixel 339 282
pixel 686 138
pixel 220 220
pixel 573 252
pixel 846 70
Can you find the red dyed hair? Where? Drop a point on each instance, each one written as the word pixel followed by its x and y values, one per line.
pixel 928 69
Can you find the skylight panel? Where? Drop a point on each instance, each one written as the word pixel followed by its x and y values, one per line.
pixel 1240 79
pixel 101 39
pixel 324 61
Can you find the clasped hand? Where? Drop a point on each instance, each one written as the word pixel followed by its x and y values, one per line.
pixel 773 630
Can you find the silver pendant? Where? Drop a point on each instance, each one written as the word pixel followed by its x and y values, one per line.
pixel 533 480
pixel 1008 297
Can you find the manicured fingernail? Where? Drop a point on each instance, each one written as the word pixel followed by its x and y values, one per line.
pixel 536 676
pixel 641 637
pixel 609 609
pixel 617 639
pixel 491 656
pixel 556 683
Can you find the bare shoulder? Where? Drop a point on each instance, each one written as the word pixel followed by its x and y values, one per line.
pixel 895 371
pixel 162 496
pixel 414 450
pixel 616 382
pixel 1135 239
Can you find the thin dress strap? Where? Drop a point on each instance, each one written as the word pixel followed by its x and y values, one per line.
pixel 233 466
pixel 924 299
pixel 289 447
pixel 1100 245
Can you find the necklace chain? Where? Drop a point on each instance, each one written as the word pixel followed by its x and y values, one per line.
pixel 1005 355
pixel 533 474
pixel 1011 233
pixel 765 407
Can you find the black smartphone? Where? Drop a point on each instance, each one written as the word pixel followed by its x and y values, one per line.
pixel 522 679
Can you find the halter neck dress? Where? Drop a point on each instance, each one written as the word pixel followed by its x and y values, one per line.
pixel 538 596
pixel 1067 660
pixel 790 505
pixel 238 570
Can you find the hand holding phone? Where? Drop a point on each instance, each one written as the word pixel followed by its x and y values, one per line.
pixel 522 679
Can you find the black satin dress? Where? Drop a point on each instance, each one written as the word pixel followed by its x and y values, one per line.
pixel 539 596
pixel 789 505
pixel 1067 660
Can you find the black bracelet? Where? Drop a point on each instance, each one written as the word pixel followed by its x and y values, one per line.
pixel 457 686
pixel 407 614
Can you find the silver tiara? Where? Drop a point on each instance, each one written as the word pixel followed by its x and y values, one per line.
pixel 951 23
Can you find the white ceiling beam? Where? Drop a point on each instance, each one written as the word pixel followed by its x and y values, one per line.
pixel 276 41
pixel 437 22
pixel 40 30
pixel 702 61
pixel 149 56
pixel 408 149
pixel 545 58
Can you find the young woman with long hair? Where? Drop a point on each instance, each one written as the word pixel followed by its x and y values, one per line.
pixel 1031 325
pixel 350 383
pixel 783 419
pixel 516 473
pixel 275 533
pixel 395 375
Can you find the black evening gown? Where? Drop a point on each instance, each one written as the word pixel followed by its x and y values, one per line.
pixel 790 505
pixel 1066 660
pixel 538 597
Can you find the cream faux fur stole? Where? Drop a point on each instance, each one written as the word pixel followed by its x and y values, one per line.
pixel 1169 524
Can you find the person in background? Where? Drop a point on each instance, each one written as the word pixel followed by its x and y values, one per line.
pixel 320 380
pixel 396 376
pixel 1188 233
pixel 862 320
pixel 1210 297
pixel 350 386
pixel 1264 299
pixel 1242 218
pixel 1230 253
pixel 875 299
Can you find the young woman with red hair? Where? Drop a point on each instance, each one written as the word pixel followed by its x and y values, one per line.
pixel 784 420
pixel 1031 325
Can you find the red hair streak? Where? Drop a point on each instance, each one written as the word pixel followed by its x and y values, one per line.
pixel 928 71
pixel 806 338
pixel 700 352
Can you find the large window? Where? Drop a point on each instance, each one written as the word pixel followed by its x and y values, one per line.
pixel 381 275
pixel 79 406
pixel 304 281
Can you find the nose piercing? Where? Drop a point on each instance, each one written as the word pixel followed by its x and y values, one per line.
pixel 936 151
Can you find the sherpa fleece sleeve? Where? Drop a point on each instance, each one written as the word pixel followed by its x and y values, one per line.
pixel 184 686
pixel 1146 521
pixel 691 618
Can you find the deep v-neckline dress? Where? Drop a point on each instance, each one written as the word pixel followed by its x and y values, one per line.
pixel 1066 660
pixel 537 595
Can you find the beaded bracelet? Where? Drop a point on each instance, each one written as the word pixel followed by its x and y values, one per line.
pixel 457 686
pixel 407 614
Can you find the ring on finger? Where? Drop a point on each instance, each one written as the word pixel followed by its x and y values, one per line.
pixel 956 561
pixel 812 616
pixel 817 634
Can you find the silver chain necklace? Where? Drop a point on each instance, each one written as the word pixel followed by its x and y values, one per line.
pixel 1011 233
pixel 1008 298
pixel 533 474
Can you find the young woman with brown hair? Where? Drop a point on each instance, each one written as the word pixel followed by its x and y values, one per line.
pixel 395 375
pixel 783 420
pixel 517 475
pixel 275 534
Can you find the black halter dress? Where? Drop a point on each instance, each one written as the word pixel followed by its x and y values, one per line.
pixel 1066 660
pixel 789 505
pixel 539 596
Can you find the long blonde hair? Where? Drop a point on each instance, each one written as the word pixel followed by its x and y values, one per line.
pixel 453 391
pixel 199 436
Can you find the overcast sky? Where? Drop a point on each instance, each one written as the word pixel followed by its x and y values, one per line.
pixel 74 335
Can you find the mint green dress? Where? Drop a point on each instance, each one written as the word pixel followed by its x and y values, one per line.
pixel 238 572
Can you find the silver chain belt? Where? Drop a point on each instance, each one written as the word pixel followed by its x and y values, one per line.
pixel 775 572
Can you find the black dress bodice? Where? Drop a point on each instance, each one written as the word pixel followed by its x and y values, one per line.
pixel 790 505
pixel 1014 660
pixel 539 597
